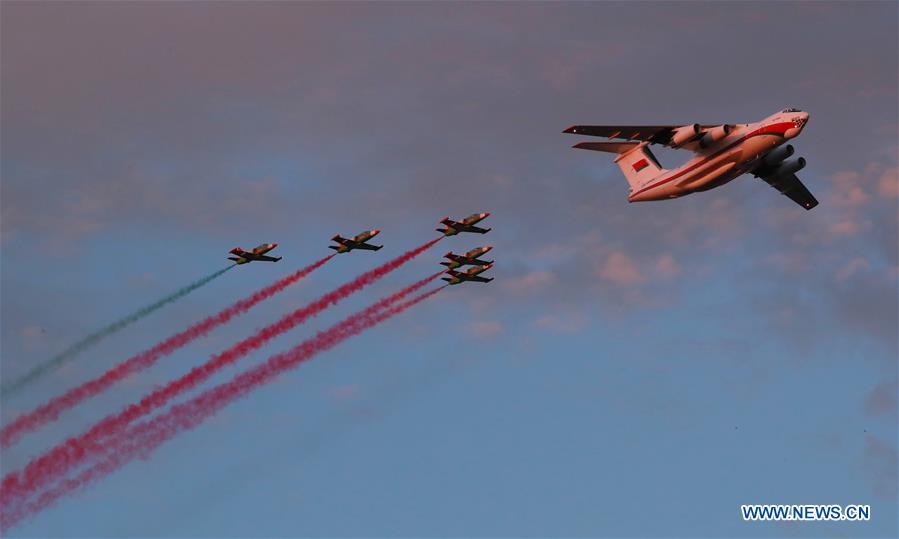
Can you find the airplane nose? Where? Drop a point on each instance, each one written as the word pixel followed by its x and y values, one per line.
pixel 485 214
pixel 274 245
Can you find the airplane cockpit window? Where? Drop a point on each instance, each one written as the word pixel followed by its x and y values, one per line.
pixel 791 110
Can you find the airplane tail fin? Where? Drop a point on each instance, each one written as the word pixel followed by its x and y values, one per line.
pixel 635 160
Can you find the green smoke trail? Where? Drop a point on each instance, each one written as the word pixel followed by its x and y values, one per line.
pixel 40 370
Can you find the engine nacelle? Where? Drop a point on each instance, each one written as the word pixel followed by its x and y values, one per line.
pixel 790 167
pixel 778 154
pixel 714 135
pixel 683 135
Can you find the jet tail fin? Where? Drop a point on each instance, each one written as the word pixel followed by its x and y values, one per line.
pixel 635 160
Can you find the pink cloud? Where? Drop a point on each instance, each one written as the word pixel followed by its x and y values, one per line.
pixel 855 265
pixel 888 184
pixel 846 227
pixel 881 462
pixel 487 328
pixel 882 399
pixel 621 269
pixel 562 322
pixel 667 267
pixel 344 392
pixel 529 282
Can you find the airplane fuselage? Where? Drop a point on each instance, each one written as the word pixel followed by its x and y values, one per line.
pixel 737 153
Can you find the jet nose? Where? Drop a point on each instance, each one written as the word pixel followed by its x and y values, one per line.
pixel 488 248
pixel 273 245
pixel 485 214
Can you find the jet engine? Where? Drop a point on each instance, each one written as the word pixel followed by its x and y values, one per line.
pixel 790 167
pixel 778 154
pixel 684 134
pixel 714 135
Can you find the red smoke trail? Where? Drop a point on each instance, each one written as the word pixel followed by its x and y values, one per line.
pixel 141 439
pixel 51 410
pixel 74 451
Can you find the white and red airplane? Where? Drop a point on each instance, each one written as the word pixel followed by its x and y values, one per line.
pixel 723 152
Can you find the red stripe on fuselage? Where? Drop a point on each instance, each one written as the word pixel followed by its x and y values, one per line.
pixel 773 129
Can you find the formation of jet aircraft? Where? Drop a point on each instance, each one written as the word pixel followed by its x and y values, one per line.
pixel 722 153
pixel 454 262
pixel 469 258
pixel 451 228
pixel 358 242
pixel 256 255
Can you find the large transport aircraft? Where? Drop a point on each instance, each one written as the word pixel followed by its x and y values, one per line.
pixel 723 152
pixel 357 242
pixel 257 254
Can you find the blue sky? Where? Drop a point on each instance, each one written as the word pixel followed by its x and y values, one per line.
pixel 634 370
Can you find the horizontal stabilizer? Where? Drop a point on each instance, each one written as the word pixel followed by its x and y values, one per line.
pixel 610 147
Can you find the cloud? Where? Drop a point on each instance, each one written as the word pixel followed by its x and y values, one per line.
pixel 888 184
pixel 563 320
pixel 344 392
pixel 855 265
pixel 529 282
pixel 487 328
pixel 667 267
pixel 882 400
pixel 880 460
pixel 619 268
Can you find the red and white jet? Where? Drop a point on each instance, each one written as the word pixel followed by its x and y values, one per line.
pixel 723 152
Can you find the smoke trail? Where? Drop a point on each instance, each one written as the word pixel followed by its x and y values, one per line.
pixel 141 439
pixel 51 410
pixel 73 451
pixel 94 338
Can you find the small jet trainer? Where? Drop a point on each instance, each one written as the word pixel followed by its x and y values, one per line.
pixel 470 275
pixel 358 242
pixel 257 254
pixel 468 259
pixel 723 152
pixel 466 225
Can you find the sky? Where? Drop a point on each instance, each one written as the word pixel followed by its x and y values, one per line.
pixel 635 370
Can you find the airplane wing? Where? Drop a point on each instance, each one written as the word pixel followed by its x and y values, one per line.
pixel 476 230
pixel 655 134
pixel 449 222
pixel 792 188
pixel 339 239
pixel 367 246
pixel 265 258
pixel 479 279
